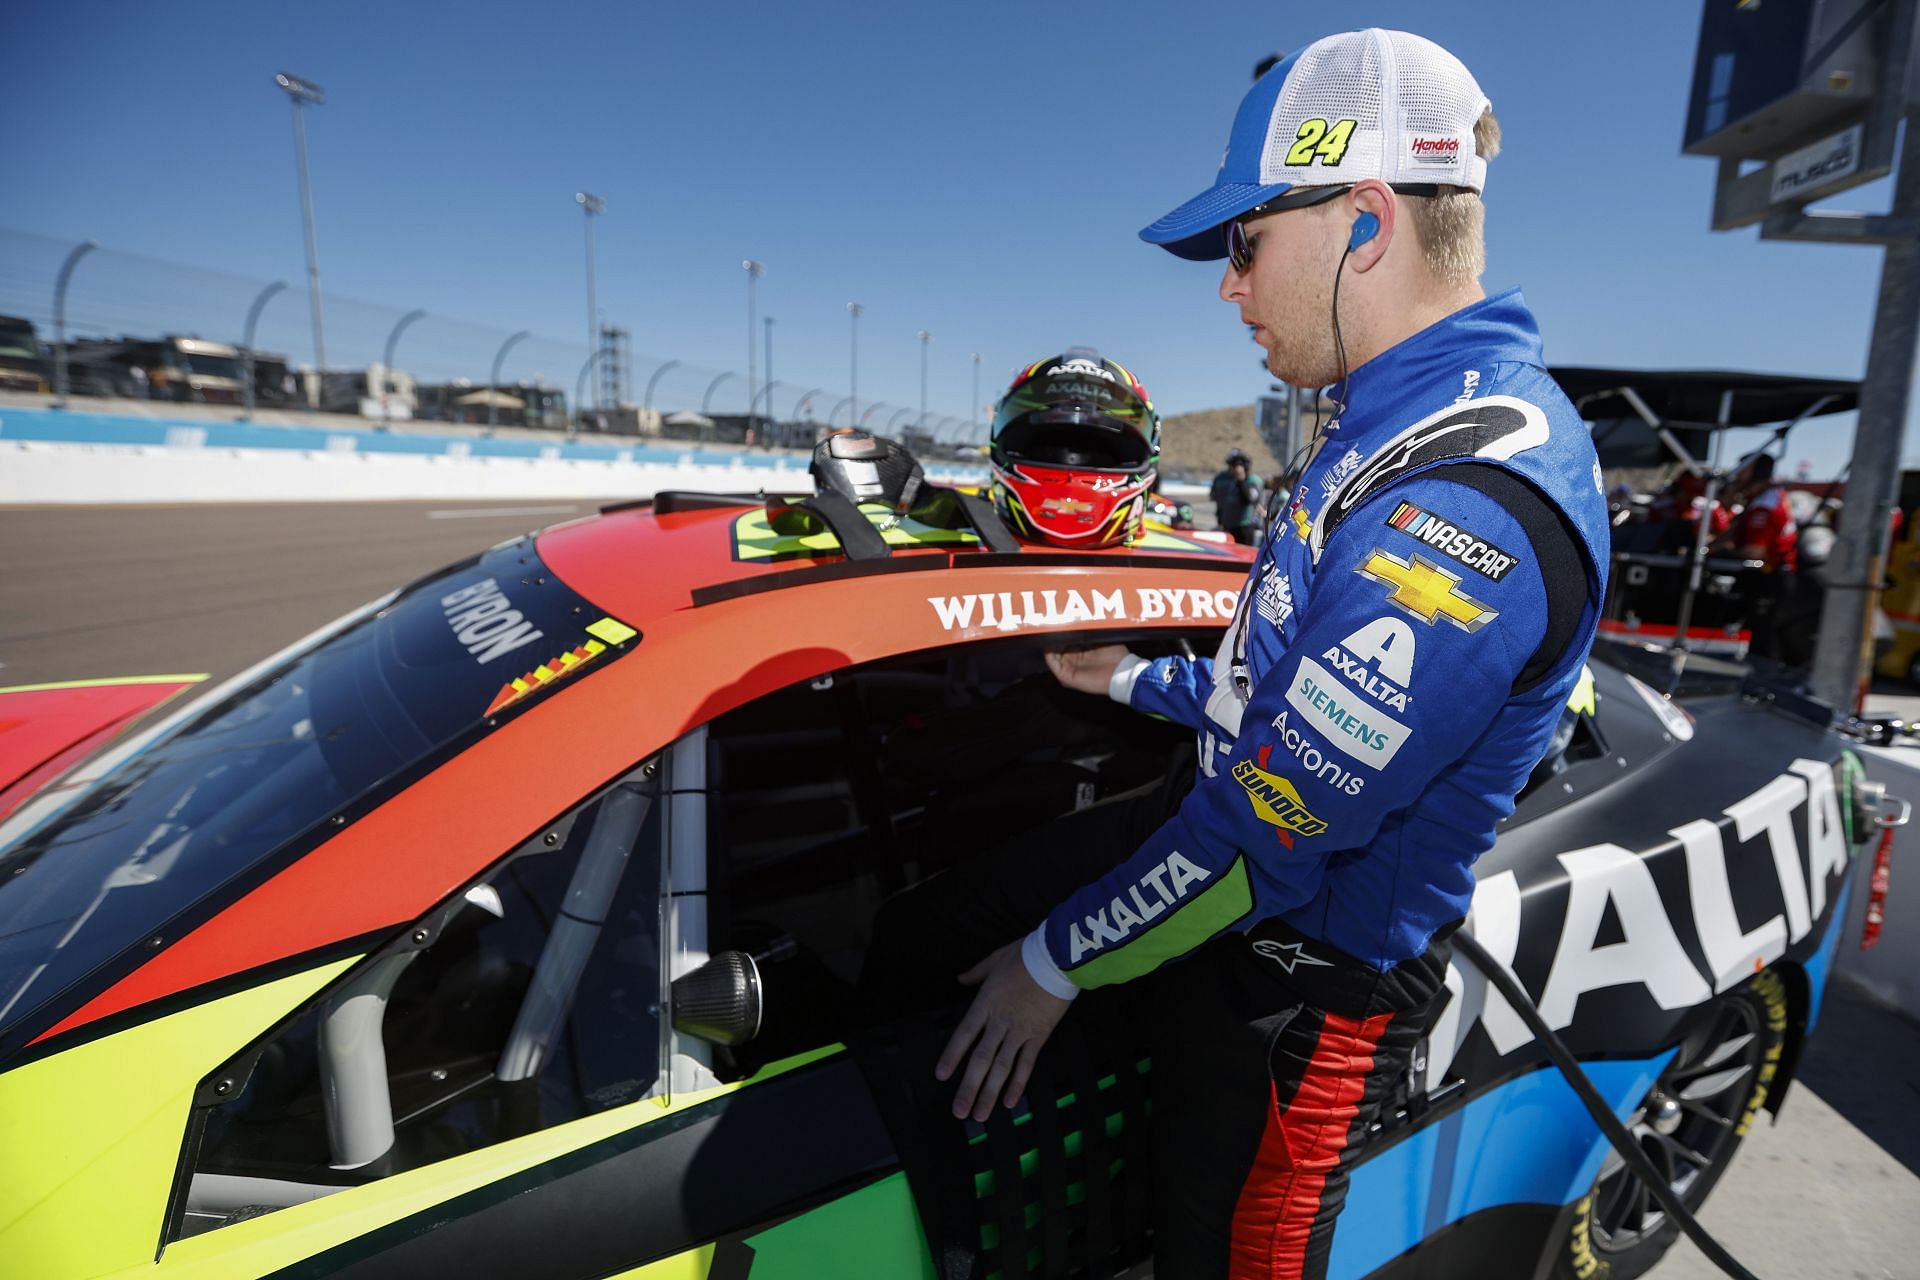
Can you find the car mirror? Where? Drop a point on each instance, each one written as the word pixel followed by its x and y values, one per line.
pixel 719 1001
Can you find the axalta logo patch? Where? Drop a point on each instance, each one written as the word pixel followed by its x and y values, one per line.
pixel 1434 150
pixel 1168 881
pixel 1029 610
pixel 1276 801
pixel 1377 658
pixel 485 621
pixel 1425 590
pixel 1354 726
pixel 1450 540
pixel 1086 368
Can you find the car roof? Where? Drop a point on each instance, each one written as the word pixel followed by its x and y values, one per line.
pixel 686 550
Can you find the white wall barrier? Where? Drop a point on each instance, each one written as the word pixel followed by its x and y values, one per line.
pixel 40 472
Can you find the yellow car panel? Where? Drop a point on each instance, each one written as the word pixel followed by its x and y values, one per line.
pixel 90 1138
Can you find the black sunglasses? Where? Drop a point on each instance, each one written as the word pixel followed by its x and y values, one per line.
pixel 1240 249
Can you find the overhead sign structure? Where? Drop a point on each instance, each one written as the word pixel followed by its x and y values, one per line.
pixel 1800 100
pixel 1824 166
pixel 1797 99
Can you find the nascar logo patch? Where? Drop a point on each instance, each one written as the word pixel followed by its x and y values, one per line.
pixel 1450 540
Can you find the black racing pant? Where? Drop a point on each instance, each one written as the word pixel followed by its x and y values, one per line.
pixel 1272 1052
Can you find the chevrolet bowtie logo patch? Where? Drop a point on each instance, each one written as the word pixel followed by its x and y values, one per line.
pixel 1066 506
pixel 1302 523
pixel 1426 591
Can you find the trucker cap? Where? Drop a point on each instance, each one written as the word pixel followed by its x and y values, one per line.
pixel 1363 104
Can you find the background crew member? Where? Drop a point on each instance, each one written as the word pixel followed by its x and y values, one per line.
pixel 1236 494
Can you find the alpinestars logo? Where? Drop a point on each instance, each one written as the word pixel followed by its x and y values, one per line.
pixel 1496 428
pixel 1288 955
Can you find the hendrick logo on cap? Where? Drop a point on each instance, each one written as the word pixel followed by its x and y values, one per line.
pixel 1444 151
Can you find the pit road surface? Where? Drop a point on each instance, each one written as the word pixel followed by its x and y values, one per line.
pixel 1831 1190
pixel 91 592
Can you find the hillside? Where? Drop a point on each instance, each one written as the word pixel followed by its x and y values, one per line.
pixel 1194 445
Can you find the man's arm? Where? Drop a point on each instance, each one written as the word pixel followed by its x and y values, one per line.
pixel 1175 688
pixel 1403 657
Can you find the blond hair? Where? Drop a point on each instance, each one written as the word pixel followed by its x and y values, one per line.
pixel 1452 226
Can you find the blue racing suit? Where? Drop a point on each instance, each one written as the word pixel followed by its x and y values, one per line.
pixel 1398 661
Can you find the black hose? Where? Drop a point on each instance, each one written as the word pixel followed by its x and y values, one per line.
pixel 1616 1133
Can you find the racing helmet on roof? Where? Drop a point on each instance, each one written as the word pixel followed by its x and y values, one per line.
pixel 1074 451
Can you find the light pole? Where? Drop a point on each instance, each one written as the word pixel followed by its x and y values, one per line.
pixel 590 205
pixel 301 92
pixel 493 379
pixel 921 421
pixel 60 283
pixel 854 312
pixel 246 345
pixel 767 383
pixel 973 410
pixel 754 271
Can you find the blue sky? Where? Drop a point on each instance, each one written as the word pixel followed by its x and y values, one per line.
pixel 977 171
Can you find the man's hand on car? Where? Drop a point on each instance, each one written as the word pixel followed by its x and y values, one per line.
pixel 1010 1018
pixel 1089 670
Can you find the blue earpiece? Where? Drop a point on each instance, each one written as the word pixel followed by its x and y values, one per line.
pixel 1365 228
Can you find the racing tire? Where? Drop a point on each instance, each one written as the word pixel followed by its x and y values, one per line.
pixel 1690 1124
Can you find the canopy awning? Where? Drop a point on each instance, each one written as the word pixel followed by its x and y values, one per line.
pixel 1693 395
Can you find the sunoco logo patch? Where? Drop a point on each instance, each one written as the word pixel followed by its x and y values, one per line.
pixel 1275 800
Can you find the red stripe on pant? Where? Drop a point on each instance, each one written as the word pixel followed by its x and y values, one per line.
pixel 1299 1149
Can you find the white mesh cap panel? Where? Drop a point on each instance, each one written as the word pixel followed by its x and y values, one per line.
pixel 1411 103
pixel 1338 78
pixel 1439 102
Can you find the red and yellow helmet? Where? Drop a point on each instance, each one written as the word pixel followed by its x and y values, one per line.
pixel 1075 451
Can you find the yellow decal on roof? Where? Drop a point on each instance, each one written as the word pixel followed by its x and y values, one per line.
pixel 755 539
pixel 554 670
pixel 611 631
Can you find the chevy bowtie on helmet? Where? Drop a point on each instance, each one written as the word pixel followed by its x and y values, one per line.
pixel 1075 449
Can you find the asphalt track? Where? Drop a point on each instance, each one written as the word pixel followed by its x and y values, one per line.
pixel 92 592
pixel 1831 1190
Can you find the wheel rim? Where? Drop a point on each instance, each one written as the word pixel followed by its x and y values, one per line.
pixel 1700 1096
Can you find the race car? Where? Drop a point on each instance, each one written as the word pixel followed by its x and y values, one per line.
pixel 513 926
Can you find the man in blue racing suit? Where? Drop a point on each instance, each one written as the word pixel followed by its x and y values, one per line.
pixel 1399 659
